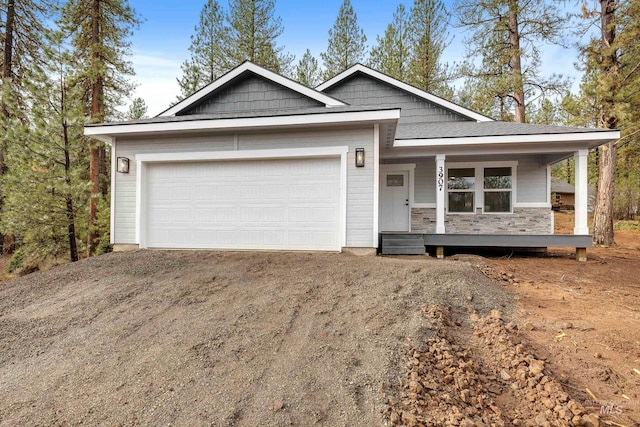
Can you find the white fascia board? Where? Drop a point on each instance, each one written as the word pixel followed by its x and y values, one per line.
pixel 243 154
pixel 510 139
pixel 104 138
pixel 408 88
pixel 263 72
pixel 100 132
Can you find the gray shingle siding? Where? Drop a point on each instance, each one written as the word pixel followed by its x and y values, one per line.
pixel 365 90
pixel 252 93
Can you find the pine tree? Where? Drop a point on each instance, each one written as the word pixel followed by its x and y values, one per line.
pixel 253 33
pixel 49 164
pixel 429 37
pixel 346 42
pixel 208 59
pixel 615 58
pixel 99 35
pixel 392 53
pixel 308 71
pixel 191 80
pixel 137 110
pixel 22 37
pixel 509 35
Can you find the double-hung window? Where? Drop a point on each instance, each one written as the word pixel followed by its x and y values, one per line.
pixel 461 184
pixel 490 186
pixel 498 189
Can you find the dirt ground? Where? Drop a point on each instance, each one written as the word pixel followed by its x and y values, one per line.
pixel 279 339
pixel 584 318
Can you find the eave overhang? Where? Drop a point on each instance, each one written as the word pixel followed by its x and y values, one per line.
pixel 107 131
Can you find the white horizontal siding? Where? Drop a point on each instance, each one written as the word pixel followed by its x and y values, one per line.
pixel 359 180
pixel 425 178
pixel 531 177
pixel 125 184
pixel 532 181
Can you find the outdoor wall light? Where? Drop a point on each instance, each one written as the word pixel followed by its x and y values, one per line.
pixel 122 165
pixel 359 157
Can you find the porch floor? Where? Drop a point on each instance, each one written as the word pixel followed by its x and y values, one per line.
pixel 392 243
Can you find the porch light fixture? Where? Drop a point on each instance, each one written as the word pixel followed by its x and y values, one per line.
pixel 122 165
pixel 359 157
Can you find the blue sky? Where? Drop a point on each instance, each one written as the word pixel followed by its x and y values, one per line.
pixel 160 45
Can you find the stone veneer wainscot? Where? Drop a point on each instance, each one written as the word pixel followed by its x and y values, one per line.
pixel 521 221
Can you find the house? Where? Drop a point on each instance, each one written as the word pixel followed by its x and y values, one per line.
pixel 363 162
pixel 563 195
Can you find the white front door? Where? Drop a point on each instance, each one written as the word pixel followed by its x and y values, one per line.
pixel 394 201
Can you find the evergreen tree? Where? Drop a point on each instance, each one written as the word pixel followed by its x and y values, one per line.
pixel 615 59
pixel 393 51
pixel 308 71
pixel 208 59
pixel 191 80
pixel 46 190
pixel 99 35
pixel 253 33
pixel 137 110
pixel 346 42
pixel 429 38
pixel 509 35
pixel 22 37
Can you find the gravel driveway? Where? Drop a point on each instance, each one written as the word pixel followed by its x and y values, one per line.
pixel 220 338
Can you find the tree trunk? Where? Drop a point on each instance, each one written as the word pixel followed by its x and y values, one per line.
pixel 71 223
pixel 603 213
pixel 7 70
pixel 96 117
pixel 516 62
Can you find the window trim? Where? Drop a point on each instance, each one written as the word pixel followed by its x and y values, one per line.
pixel 479 186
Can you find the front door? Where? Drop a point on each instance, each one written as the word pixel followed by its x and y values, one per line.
pixel 394 201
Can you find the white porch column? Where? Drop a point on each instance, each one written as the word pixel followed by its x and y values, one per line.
pixel 440 191
pixel 581 196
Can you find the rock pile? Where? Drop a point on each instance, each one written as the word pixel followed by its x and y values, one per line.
pixel 490 380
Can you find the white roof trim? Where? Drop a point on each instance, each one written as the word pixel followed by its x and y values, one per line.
pixel 329 117
pixel 263 72
pixel 408 88
pixel 510 139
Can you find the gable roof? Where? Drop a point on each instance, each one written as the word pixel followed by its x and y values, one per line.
pixel 559 186
pixel 359 68
pixel 242 69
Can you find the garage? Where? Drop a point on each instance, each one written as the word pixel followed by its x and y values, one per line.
pixel 280 204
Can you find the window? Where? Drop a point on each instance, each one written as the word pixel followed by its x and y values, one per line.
pixel 461 186
pixel 395 180
pixel 489 185
pixel 497 189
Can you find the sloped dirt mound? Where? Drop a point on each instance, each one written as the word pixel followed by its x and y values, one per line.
pixel 479 374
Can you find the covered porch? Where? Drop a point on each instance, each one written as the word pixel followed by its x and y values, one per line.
pixel 481 191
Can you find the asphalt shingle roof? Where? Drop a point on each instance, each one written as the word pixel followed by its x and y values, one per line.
pixel 249 114
pixel 471 129
pixel 559 186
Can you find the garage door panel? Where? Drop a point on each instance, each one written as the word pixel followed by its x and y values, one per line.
pixel 271 204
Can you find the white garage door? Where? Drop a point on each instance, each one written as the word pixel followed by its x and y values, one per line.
pixel 248 204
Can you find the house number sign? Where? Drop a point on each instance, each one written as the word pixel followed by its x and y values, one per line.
pixel 440 178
